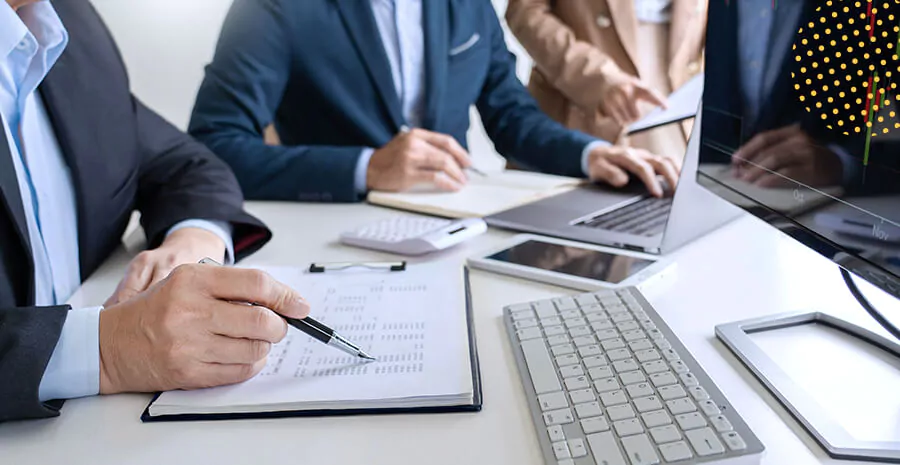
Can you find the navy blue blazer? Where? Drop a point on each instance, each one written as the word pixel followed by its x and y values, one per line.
pixel 317 69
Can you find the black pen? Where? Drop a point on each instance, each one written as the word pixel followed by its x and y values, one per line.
pixel 316 330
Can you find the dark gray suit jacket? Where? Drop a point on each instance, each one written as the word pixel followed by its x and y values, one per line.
pixel 122 157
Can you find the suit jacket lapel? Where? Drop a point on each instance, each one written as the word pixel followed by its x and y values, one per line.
pixel 9 190
pixel 625 19
pixel 437 46
pixel 360 23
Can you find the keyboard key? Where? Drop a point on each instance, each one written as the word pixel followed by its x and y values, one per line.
pixel 647 355
pixel 628 427
pixel 663 434
pixel 522 314
pixel 569 314
pixel 571 370
pixel 585 299
pixel 720 423
pixel 655 334
pixel 557 340
pixel 605 449
pixel 671 355
pixel 601 325
pixel 632 377
pixel 605 334
pixel 540 366
pixel 588 410
pixel 689 380
pixel 583 341
pixel 582 395
pixel 566 360
pixel 578 382
pixel 639 390
pixel 698 393
pixel 679 367
pixel 709 407
pixel 663 379
pixel 639 450
pixel 597 317
pixel 600 373
pixel 620 317
pixel 662 344
pixel 646 404
pixel 580 331
pixel 563 349
pixel 623 366
pixel 640 344
pixel 561 450
pixel 690 420
pixel 683 405
pixel 552 321
pixel 611 344
pixel 606 385
pixel 575 322
pixel 705 442
pixel 656 418
pixel 627 326
pixel 613 398
pixel 656 366
pixel 735 441
pixel 587 351
pixel 596 308
pixel 556 433
pixel 577 448
pixel 633 335
pixel 671 392
pixel 558 417
pixel 594 425
pixel 554 330
pixel 565 303
pixel 528 333
pixel 595 361
pixel 552 401
pixel 544 308
pixel 525 323
pixel 675 451
pixel 518 308
pixel 618 354
pixel 620 412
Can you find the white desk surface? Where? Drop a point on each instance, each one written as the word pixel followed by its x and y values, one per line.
pixel 740 271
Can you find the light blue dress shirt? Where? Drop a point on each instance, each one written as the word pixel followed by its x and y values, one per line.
pixel 31 40
pixel 400 24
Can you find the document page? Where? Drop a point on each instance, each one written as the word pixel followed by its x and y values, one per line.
pixel 413 322
pixel 682 104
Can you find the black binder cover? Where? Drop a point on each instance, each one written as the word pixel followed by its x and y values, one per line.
pixel 474 407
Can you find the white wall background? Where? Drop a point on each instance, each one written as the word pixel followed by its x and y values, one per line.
pixel 167 43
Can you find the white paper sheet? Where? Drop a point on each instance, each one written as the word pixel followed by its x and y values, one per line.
pixel 682 104
pixel 413 322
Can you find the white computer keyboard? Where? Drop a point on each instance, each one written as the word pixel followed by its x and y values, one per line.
pixel 608 383
pixel 412 235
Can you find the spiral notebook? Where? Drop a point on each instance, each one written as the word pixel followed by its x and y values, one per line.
pixel 417 323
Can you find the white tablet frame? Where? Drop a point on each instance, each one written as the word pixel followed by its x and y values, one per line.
pixel 659 269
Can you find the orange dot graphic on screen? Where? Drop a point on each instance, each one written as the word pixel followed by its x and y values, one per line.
pixel 851 93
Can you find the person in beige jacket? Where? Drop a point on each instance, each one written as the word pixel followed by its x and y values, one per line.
pixel 601 64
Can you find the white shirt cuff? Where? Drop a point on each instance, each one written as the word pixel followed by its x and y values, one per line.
pixel 586 155
pixel 219 228
pixel 362 168
pixel 74 367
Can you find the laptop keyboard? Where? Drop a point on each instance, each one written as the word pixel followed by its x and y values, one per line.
pixel 646 217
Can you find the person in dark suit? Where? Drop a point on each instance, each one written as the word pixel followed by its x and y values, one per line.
pixel 78 153
pixel 375 94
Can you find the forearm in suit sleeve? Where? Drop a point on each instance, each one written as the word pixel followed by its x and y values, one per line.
pixel 28 337
pixel 576 68
pixel 180 179
pixel 519 129
pixel 237 101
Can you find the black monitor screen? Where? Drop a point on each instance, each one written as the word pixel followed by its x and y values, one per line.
pixel 800 124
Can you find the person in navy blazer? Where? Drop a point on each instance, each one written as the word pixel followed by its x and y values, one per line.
pixel 375 94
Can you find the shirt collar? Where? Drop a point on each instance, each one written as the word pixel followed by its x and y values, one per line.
pixel 12 29
pixel 39 19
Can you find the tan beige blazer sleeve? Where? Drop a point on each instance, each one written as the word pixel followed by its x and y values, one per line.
pixel 576 68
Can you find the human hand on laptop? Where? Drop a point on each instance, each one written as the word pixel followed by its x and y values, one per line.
pixel 786 155
pixel 615 165
pixel 415 157
pixel 188 332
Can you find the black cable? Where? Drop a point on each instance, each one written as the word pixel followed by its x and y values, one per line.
pixel 869 308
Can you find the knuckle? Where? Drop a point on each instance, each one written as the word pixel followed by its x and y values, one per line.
pixel 260 282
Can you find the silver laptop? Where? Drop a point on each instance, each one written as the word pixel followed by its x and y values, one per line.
pixel 630 220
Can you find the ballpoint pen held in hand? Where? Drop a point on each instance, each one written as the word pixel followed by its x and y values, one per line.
pixel 316 330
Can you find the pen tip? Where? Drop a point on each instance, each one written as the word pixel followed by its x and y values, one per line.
pixel 367 357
